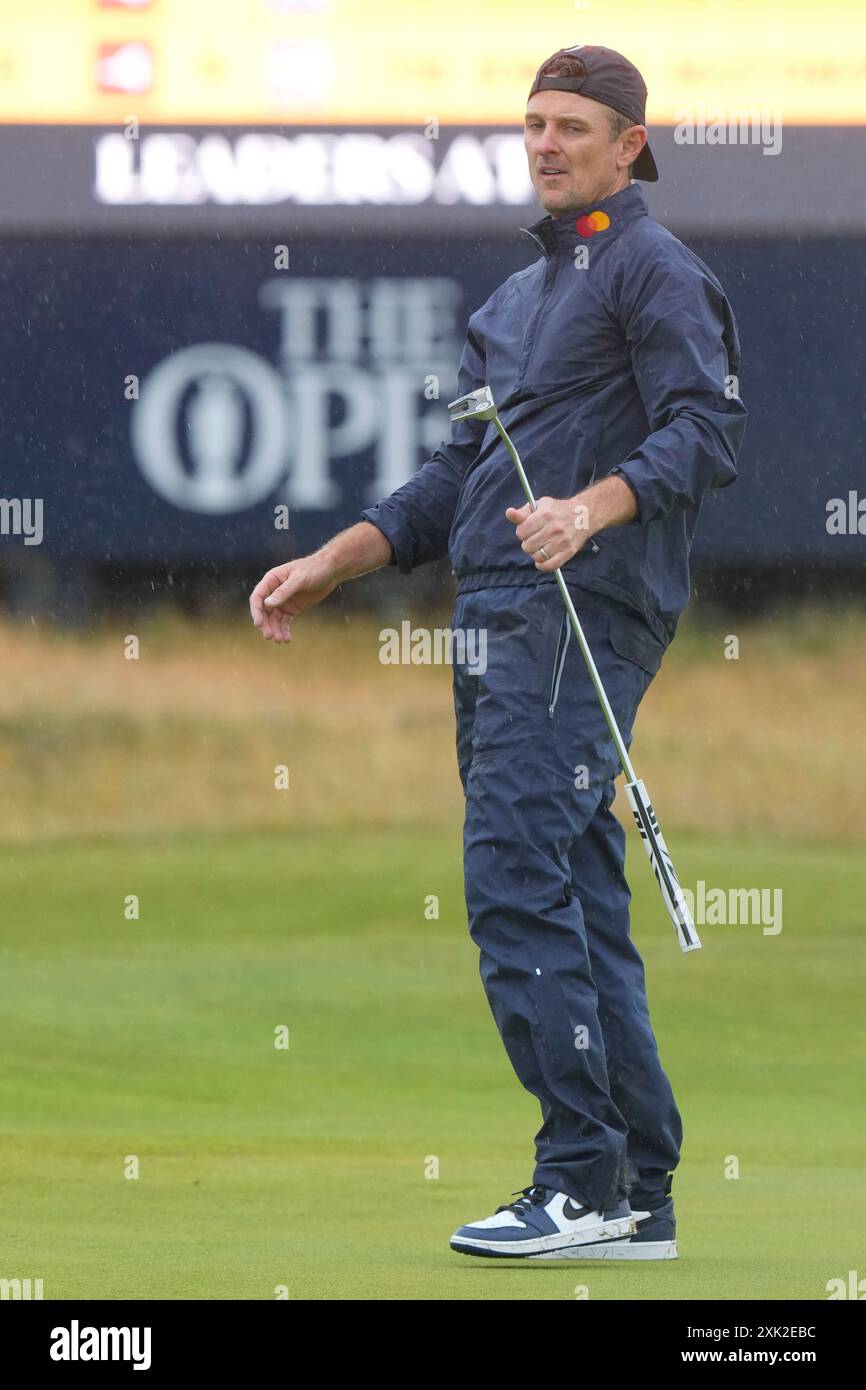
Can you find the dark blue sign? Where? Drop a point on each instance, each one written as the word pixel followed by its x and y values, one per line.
pixel 190 401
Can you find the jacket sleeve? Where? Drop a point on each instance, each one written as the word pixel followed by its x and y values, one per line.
pixel 417 517
pixel 683 342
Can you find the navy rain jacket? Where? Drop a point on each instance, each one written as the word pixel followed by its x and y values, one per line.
pixel 616 368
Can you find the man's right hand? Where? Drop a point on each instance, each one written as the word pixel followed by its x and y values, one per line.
pixel 290 588
pixel 286 591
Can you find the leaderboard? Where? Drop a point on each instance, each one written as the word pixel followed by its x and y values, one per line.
pixel 377 62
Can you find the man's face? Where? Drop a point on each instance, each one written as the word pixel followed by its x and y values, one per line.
pixel 572 159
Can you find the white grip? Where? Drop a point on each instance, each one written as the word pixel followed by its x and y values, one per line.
pixel 662 866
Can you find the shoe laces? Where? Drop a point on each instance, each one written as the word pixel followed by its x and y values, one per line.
pixel 527 1197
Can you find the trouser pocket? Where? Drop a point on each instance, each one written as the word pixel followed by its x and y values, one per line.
pixel 633 640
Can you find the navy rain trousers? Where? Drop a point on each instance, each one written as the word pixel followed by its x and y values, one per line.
pixel 546 895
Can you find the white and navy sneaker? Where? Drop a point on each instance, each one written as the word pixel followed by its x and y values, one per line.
pixel 654 1239
pixel 543 1224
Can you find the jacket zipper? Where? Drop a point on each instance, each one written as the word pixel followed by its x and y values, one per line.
pixel 528 349
pixel 559 663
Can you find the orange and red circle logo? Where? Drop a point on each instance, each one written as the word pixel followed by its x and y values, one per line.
pixel 592 223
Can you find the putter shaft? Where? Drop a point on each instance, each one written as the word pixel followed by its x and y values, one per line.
pixel 480 405
pixel 622 751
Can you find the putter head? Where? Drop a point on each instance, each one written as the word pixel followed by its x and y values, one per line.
pixel 477 405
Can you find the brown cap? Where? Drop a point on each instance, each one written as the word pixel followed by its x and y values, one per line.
pixel 610 78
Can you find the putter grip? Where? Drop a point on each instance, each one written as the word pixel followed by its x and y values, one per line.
pixel 662 866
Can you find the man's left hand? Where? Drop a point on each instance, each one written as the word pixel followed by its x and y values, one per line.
pixel 562 526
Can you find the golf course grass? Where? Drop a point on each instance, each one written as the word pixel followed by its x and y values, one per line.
pixel 312 1167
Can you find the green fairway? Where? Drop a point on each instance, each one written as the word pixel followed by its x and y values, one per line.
pixel 305 1167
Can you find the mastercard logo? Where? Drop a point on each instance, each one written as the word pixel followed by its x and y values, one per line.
pixel 592 223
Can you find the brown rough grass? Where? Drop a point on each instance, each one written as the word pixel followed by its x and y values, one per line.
pixel 188 736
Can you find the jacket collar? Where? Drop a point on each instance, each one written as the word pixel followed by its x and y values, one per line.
pixel 560 234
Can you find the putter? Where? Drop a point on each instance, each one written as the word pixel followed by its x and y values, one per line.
pixel 480 405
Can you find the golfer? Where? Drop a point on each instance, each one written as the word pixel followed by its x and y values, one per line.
pixel 613 359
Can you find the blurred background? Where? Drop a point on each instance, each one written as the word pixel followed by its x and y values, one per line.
pixel 170 376
pixel 239 245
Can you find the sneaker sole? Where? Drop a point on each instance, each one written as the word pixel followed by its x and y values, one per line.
pixel 553 1246
pixel 623 1250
